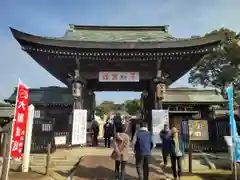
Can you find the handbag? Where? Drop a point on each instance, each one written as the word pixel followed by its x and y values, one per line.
pixel 179 153
pixel 115 155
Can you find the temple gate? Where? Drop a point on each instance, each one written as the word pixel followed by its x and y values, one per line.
pixel 85 52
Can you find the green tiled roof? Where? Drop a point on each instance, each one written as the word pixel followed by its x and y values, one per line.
pixel 2 104
pixel 119 34
pixel 47 95
pixel 6 112
pixel 192 95
pixel 59 95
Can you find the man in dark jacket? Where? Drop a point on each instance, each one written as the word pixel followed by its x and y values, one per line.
pixel 117 122
pixel 108 133
pixel 95 130
pixel 142 148
pixel 165 136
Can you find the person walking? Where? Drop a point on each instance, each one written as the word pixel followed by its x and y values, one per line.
pixel 108 133
pixel 142 148
pixel 176 153
pixel 120 152
pixel 133 128
pixel 117 122
pixel 95 130
pixel 165 135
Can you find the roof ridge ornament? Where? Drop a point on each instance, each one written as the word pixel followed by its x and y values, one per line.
pixel 72 27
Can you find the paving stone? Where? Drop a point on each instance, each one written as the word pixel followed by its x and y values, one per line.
pixel 28 176
pixel 102 167
pixel 97 165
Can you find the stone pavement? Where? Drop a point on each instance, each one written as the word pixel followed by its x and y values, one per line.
pixel 28 176
pixel 97 160
pixel 97 164
pixel 102 167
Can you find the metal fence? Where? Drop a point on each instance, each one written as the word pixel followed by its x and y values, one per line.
pixel 42 135
pixel 52 124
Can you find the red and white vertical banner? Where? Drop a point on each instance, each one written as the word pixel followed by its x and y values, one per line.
pixel 20 121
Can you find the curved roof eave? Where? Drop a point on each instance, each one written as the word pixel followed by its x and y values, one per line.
pixel 188 43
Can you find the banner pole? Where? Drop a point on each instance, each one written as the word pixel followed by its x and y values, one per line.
pixel 235 169
pixel 28 139
pixel 233 129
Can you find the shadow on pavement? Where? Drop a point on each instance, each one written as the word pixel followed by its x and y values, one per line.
pixel 210 175
pixel 97 173
pixel 62 173
pixel 214 176
pixel 152 169
pixel 102 167
pixel 204 175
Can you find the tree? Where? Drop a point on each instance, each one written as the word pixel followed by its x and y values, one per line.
pixel 119 107
pixel 221 67
pixel 99 111
pixel 104 108
pixel 132 106
pixel 107 106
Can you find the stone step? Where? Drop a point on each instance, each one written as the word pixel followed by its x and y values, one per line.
pixel 54 163
pixel 43 163
pixel 53 157
pixel 57 169
pixel 54 160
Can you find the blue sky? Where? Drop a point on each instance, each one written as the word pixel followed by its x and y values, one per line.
pixel 51 18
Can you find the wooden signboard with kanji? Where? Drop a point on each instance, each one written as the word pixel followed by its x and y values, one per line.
pixel 198 130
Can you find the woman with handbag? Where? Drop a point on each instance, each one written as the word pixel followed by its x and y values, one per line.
pixel 176 154
pixel 120 152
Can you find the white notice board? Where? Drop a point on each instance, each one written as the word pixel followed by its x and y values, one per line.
pixel 159 118
pixel 79 127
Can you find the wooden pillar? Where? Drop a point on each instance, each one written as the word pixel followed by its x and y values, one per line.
pixel 143 104
pixel 93 104
pixel 141 101
pixel 151 103
pixel 206 113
